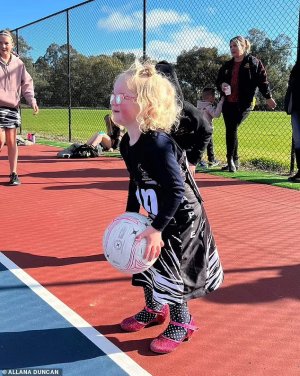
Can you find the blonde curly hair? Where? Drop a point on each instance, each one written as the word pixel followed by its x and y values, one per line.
pixel 160 107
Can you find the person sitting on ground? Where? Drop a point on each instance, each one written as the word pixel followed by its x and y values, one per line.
pixel 110 140
pixel 209 111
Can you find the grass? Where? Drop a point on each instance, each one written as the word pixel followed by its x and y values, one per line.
pixel 264 140
pixel 54 123
pixel 264 136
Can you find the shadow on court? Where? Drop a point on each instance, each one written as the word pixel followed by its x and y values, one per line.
pixel 263 290
pixel 43 347
pixel 28 260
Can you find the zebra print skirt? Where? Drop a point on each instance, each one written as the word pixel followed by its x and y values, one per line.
pixel 189 266
pixel 9 117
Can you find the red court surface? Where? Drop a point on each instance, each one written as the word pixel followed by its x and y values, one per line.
pixel 52 226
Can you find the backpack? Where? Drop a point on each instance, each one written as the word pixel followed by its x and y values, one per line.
pixel 86 151
pixel 66 153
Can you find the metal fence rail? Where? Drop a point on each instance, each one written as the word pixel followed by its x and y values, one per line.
pixel 74 55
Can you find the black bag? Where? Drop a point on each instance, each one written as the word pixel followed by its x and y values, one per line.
pixel 86 151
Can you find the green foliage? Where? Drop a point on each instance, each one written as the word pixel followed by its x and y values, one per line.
pixel 266 164
pixel 91 77
pixel 196 69
pixel 275 56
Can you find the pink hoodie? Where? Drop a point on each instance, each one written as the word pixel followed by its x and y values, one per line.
pixel 14 82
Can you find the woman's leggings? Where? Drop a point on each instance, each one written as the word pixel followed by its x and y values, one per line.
pixel 233 115
pixel 295 118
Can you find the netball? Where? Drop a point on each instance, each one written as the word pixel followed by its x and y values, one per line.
pixel 120 248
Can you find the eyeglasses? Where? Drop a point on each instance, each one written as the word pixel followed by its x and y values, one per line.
pixel 119 98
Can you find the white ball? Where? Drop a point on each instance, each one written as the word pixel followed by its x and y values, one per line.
pixel 120 248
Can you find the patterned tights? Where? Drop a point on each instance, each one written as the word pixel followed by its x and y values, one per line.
pixel 145 316
pixel 178 313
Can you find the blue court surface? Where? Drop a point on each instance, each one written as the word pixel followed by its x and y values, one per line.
pixel 36 333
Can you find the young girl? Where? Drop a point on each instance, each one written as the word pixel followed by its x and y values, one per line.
pixel 110 140
pixel 188 266
pixel 14 82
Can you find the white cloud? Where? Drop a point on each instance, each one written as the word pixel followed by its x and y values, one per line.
pixel 169 42
pixel 160 17
pixel 156 18
pixel 185 39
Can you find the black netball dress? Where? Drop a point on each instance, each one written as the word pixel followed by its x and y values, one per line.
pixel 189 265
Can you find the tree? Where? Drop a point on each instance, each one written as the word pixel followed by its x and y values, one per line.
pixel 91 78
pixel 198 68
pixel 51 73
pixel 126 59
pixel 275 55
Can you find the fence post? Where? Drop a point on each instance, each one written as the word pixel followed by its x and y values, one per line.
pixel 144 28
pixel 69 77
pixel 292 164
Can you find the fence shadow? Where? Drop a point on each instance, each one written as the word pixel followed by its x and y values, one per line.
pixel 81 173
pixel 28 260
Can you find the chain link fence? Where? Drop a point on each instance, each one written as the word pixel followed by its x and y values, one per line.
pixel 74 56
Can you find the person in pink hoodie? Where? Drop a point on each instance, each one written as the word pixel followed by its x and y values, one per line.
pixel 15 82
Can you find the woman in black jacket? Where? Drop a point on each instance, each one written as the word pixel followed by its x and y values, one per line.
pixel 292 107
pixel 238 80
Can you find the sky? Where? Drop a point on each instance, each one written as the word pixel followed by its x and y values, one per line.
pixel 106 26
pixel 21 12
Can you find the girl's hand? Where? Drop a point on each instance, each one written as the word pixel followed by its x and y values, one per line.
pixel 35 108
pixel 154 242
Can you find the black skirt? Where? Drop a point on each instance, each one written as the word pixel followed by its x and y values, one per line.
pixel 189 265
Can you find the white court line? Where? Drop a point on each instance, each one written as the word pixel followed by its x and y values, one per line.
pixel 112 351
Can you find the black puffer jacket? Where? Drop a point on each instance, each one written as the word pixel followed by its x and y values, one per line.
pixel 194 131
pixel 252 75
pixel 294 90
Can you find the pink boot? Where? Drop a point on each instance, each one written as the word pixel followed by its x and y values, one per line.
pixel 164 345
pixel 130 324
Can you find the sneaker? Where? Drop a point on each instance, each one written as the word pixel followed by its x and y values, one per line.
pixel 225 168
pixel 202 164
pixel 14 179
pixel 213 163
pixel 295 178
